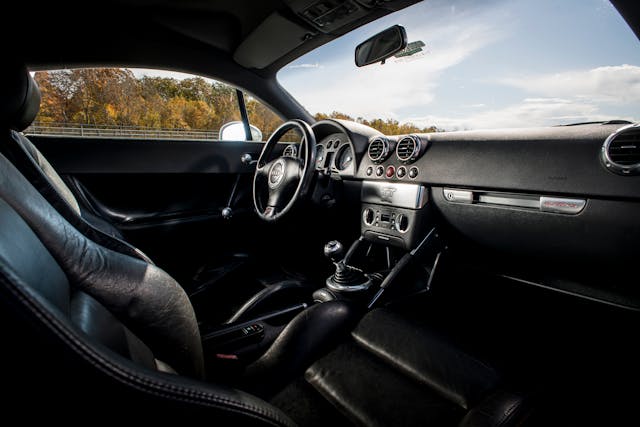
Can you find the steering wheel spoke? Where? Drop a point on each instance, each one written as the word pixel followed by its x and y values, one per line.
pixel 270 211
pixel 264 169
pixel 283 180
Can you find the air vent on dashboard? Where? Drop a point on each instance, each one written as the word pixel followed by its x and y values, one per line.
pixel 621 151
pixel 408 149
pixel 378 150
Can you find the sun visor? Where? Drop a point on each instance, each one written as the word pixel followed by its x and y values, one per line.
pixel 272 39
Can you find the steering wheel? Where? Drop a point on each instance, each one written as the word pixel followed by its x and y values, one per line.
pixel 279 182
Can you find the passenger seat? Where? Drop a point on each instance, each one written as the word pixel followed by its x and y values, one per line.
pixel 395 372
pixel 19 106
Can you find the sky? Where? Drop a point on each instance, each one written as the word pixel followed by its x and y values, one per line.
pixel 486 64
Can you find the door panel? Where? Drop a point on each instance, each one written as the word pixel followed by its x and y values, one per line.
pixel 166 197
pixel 72 155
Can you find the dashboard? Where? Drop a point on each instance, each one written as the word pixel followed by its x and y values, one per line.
pixel 567 197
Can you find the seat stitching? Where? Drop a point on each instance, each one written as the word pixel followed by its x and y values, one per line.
pixel 121 373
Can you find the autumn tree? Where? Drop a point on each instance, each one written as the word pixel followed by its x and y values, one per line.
pixel 386 126
pixel 116 97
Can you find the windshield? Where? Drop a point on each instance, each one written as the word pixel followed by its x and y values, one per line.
pixel 488 64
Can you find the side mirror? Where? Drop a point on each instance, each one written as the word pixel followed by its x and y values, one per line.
pixel 234 131
pixel 381 46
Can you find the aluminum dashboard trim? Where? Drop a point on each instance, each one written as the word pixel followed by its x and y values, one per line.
pixel 401 195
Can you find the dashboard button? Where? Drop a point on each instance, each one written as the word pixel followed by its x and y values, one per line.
pixel 402 172
pixel 391 171
pixel 413 172
pixel 370 171
pixel 379 170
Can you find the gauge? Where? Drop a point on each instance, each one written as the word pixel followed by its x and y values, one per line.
pixel 290 150
pixel 319 155
pixel 344 158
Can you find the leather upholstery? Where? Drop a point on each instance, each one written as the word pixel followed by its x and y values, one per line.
pixel 143 297
pixel 35 167
pixel 457 376
pixel 394 372
pixel 43 164
pixel 307 337
pixel 370 392
pixel 94 320
pixel 19 97
pixel 61 345
pixel 502 408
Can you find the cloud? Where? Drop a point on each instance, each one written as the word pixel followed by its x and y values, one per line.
pixel 529 112
pixel 382 90
pixel 610 84
pixel 305 65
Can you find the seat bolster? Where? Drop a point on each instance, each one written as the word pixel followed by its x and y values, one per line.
pixel 41 162
pixel 113 381
pixel 500 409
pixel 21 153
pixel 421 354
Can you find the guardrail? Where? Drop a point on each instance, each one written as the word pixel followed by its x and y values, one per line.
pixel 106 131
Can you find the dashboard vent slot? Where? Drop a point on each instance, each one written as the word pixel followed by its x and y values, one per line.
pixel 625 149
pixel 621 151
pixel 378 150
pixel 408 149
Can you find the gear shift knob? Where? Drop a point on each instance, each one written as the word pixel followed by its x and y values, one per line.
pixel 334 251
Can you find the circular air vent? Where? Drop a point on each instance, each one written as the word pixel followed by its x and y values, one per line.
pixel 408 149
pixel 378 150
pixel 290 150
pixel 621 151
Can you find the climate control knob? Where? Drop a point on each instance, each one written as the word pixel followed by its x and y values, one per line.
pixel 402 223
pixel 368 216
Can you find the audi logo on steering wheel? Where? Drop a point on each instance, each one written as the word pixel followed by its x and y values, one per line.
pixel 276 174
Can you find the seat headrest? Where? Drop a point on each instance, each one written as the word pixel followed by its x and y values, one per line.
pixel 19 97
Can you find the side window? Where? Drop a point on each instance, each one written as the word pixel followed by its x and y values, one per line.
pixel 261 116
pixel 145 104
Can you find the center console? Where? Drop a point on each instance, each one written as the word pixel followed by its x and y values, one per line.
pixel 395 255
pixel 396 229
pixel 394 213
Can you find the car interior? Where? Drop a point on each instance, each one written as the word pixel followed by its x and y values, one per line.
pixel 469 278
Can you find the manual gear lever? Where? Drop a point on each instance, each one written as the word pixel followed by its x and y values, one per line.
pixel 334 251
pixel 346 278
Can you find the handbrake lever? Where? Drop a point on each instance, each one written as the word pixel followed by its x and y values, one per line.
pixel 404 261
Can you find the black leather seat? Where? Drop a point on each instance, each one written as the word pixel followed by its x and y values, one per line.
pixel 392 372
pixel 19 106
pixel 82 322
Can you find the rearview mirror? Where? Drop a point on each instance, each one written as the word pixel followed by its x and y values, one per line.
pixel 234 131
pixel 381 46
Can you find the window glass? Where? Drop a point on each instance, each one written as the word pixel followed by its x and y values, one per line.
pixel 138 103
pixel 480 64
